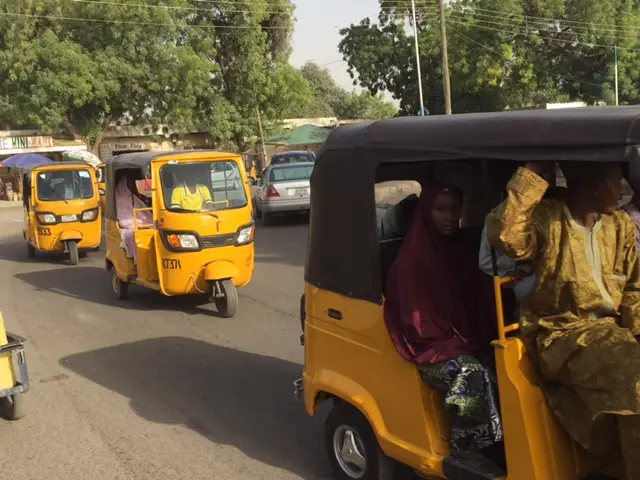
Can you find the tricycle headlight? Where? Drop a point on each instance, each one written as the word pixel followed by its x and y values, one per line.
pixel 245 235
pixel 90 215
pixel 183 241
pixel 47 218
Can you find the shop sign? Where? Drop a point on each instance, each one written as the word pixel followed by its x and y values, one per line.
pixel 11 143
pixel 123 147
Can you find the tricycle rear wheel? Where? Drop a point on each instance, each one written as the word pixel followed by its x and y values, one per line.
pixel 119 289
pixel 31 251
pixel 13 406
pixel 352 447
pixel 225 296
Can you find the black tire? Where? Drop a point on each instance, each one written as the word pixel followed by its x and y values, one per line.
pixel 73 252
pixel 31 251
pixel 13 407
pixel 374 464
pixel 119 289
pixel 266 219
pixel 227 305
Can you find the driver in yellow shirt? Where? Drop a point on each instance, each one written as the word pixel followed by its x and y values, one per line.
pixel 191 195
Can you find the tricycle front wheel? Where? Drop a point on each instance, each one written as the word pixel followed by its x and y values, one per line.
pixel 225 296
pixel 73 252
pixel 119 289
pixel 13 406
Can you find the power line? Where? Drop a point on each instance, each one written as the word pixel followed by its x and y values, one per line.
pixel 525 18
pixel 559 40
pixel 487 47
pixel 131 22
pixel 170 7
pixel 508 24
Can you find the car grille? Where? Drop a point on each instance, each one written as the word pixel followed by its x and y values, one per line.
pixel 218 240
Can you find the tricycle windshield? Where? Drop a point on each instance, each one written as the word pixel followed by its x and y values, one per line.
pixel 64 185
pixel 203 186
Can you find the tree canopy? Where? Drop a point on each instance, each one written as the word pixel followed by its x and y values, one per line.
pixel 184 63
pixel 502 53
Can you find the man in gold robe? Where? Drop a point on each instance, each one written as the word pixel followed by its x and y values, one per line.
pixel 582 321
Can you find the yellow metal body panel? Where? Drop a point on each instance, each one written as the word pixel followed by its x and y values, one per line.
pixel 184 272
pixel 7 377
pixel 353 359
pixel 221 269
pixel 50 238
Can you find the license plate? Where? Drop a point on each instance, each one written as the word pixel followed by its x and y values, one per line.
pixel 68 218
pixel 299 192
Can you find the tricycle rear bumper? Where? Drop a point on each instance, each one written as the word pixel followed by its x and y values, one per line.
pixel 15 348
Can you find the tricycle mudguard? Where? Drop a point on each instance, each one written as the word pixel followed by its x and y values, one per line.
pixel 70 235
pixel 220 270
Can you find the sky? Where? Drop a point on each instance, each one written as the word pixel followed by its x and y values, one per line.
pixel 316 35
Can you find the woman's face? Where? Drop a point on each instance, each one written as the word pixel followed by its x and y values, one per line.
pixel 446 213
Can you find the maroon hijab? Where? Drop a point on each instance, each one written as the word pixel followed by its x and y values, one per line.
pixel 438 303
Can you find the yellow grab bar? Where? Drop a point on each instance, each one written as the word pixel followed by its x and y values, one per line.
pixel 503 329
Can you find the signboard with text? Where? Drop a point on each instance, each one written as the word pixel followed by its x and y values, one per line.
pixel 11 143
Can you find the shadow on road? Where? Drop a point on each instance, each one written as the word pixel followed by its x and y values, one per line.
pixel 92 284
pixel 14 249
pixel 229 396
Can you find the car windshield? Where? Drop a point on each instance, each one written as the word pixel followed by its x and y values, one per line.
pixel 63 185
pixel 203 186
pixel 300 158
pixel 290 173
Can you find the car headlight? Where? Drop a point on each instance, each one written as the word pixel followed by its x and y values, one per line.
pixel 46 218
pixel 183 241
pixel 245 235
pixel 90 215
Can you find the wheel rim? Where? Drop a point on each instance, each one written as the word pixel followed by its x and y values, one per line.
pixel 349 452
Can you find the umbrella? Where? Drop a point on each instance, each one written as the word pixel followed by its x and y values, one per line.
pixel 82 156
pixel 25 160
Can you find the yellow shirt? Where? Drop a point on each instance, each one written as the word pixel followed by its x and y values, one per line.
pixel 183 197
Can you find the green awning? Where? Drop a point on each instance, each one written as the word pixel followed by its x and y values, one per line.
pixel 303 135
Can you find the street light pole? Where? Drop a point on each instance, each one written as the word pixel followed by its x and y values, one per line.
pixel 415 36
pixel 445 60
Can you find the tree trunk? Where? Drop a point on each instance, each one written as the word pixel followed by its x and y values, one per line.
pixel 95 148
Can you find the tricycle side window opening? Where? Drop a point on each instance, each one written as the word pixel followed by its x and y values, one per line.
pixel 63 185
pixel 203 186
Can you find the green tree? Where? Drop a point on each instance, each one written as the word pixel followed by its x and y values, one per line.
pixel 332 100
pixel 501 52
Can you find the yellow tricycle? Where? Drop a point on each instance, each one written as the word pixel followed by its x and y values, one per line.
pixel 180 223
pixel 61 209
pixel 14 379
pixel 383 414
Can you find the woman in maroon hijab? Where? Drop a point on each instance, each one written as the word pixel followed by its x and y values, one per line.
pixel 440 313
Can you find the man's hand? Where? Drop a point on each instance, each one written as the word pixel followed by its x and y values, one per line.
pixel 539 168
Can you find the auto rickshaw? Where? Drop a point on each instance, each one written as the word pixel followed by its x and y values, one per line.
pixel 382 413
pixel 193 232
pixel 14 378
pixel 61 209
pixel 101 175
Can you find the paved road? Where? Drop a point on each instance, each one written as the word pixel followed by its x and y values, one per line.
pixel 157 388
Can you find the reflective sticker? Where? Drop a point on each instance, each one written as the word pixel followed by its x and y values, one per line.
pixel 84 174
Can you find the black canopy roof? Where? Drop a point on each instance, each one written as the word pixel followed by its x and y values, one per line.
pixel 343 253
pixel 601 133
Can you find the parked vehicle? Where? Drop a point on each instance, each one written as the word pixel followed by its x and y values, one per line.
pixel 382 412
pixel 292 157
pixel 283 189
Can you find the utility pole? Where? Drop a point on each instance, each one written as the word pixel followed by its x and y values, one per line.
pixel 264 148
pixel 615 64
pixel 445 60
pixel 415 36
